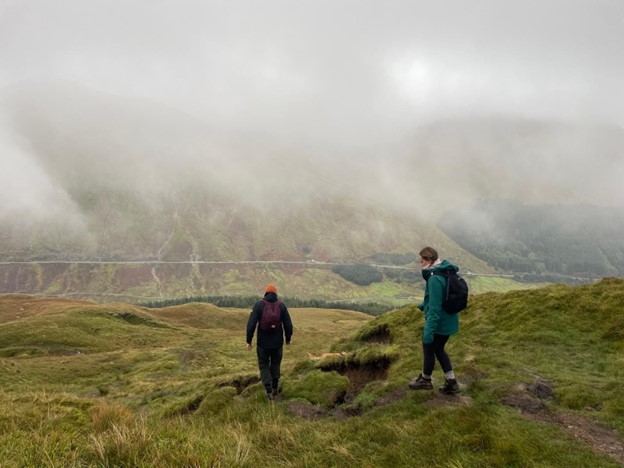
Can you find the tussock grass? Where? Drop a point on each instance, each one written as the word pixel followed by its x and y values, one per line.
pixel 185 392
pixel 105 416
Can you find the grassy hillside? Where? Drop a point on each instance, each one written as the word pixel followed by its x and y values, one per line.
pixel 117 385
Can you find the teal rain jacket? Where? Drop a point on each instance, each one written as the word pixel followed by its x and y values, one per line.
pixel 436 319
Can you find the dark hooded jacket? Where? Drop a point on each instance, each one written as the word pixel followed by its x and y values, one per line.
pixel 269 339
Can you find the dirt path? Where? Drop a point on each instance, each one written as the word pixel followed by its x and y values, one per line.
pixel 601 439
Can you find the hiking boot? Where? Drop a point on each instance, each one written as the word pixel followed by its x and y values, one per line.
pixel 420 383
pixel 450 387
pixel 270 396
pixel 275 392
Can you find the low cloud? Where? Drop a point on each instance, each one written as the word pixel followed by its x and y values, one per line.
pixel 27 192
pixel 407 105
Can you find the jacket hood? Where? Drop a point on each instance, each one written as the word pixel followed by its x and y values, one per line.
pixel 443 266
pixel 270 296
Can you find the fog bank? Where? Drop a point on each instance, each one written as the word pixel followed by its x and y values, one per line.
pixel 409 105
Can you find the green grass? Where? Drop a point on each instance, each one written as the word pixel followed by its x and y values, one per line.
pixel 175 386
pixel 483 284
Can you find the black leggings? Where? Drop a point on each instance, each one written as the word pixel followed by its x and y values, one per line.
pixel 435 350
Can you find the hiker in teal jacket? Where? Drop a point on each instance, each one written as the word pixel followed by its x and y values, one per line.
pixel 439 325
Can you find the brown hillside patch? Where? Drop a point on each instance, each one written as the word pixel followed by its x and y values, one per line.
pixel 133 276
pixel 8 279
pixel 51 273
pixel 203 315
pixel 127 312
pixel 16 306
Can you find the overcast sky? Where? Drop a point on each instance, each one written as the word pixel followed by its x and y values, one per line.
pixel 329 65
pixel 345 74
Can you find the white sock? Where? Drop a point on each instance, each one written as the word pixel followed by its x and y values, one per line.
pixel 450 375
pixel 425 376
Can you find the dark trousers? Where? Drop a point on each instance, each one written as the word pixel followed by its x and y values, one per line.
pixel 269 361
pixel 435 350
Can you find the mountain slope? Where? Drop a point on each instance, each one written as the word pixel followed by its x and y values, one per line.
pixel 581 240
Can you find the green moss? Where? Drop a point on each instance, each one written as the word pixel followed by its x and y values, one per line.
pixel 322 388
pixel 217 401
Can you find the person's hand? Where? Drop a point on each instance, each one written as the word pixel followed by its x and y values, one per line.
pixel 248 346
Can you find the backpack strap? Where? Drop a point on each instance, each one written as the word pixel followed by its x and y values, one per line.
pixel 446 274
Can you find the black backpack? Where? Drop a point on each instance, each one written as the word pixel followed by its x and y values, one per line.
pixel 456 297
pixel 271 315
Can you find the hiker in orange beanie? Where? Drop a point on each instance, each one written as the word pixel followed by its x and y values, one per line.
pixel 271 318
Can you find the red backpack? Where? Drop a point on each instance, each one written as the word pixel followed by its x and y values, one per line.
pixel 270 315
